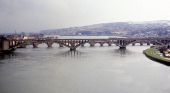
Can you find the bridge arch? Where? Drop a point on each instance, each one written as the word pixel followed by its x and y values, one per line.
pixel 74 43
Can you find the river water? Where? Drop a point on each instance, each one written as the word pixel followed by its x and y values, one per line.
pixel 87 70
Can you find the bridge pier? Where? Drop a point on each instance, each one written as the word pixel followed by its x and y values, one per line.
pixel 141 44
pixel 92 44
pixel 72 46
pixel 60 45
pixel 133 44
pixel 109 43
pixel 122 44
pixel 35 45
pixel 148 44
pixel 72 49
pixel 101 44
pixel 82 45
pixel 49 44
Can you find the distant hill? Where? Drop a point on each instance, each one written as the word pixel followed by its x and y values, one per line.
pixel 135 29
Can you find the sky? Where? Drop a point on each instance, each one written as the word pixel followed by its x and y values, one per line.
pixel 36 15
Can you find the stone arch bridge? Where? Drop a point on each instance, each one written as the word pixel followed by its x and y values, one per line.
pixel 72 44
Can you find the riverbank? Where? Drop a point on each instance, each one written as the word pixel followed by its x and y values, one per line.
pixel 155 55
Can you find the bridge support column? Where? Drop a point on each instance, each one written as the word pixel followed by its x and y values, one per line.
pixel 109 44
pixel 133 44
pixel 101 44
pixel 122 44
pixel 141 44
pixel 82 45
pixel 91 44
pixel 72 49
pixel 60 45
pixel 49 44
pixel 168 46
pixel 73 46
pixel 35 45
pixel 148 44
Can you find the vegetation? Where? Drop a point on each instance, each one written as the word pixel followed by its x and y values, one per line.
pixel 155 54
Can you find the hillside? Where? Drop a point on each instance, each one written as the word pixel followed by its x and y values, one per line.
pixel 135 29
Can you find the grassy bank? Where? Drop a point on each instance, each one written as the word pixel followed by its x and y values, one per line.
pixel 156 56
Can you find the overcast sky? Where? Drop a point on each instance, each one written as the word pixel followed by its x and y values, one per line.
pixel 36 15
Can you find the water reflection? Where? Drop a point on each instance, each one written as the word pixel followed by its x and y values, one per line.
pixel 68 53
pixel 7 56
pixel 122 52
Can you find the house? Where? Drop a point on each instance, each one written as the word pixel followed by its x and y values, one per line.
pixel 5 45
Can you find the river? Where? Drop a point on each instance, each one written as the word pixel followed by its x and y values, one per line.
pixel 87 70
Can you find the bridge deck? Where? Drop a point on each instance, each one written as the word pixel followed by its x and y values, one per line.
pixel 74 43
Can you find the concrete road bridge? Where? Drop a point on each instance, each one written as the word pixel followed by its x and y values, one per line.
pixel 72 44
